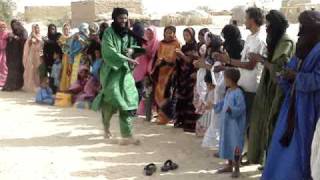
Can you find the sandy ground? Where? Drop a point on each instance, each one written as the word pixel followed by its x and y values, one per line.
pixel 50 143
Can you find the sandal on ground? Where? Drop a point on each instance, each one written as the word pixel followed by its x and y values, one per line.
pixel 150 169
pixel 169 166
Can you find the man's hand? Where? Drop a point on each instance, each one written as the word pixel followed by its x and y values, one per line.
pixel 133 62
pixel 289 74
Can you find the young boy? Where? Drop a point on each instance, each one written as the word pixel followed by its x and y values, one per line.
pixel 233 120
pixel 45 94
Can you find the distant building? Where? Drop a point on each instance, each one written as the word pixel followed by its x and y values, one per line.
pixel 46 13
pixel 91 10
pixel 292 8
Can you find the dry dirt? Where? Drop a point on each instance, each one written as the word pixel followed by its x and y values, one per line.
pixel 50 143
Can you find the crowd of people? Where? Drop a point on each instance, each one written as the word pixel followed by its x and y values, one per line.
pixel 260 92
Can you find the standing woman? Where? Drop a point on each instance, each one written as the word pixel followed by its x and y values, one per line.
pixel 3 44
pixel 77 50
pixel 233 43
pixel 143 69
pixel 64 42
pixel 163 75
pixel 14 53
pixel 49 48
pixel 32 60
pixel 185 110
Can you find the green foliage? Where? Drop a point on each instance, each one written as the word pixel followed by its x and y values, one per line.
pixel 6 10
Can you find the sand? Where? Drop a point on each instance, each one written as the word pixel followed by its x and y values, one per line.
pixel 50 143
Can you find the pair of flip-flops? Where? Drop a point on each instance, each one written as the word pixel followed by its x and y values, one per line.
pixel 169 165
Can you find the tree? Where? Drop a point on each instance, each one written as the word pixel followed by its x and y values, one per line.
pixel 6 10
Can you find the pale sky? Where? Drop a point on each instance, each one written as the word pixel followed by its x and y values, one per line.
pixel 158 6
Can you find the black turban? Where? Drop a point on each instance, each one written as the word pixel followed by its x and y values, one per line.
pixel 119 11
pixel 310 21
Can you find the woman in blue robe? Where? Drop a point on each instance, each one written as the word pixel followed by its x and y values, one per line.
pixel 290 149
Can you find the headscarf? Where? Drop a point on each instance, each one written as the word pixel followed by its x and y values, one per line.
pixel 119 11
pixel 55 35
pixel 3 24
pixel 152 45
pixel 103 27
pixel 233 43
pixel 84 29
pixel 138 31
pixel 34 29
pixel 20 31
pixel 121 31
pixel 192 45
pixel 308 33
pixel 215 41
pixel 278 25
pixel 94 28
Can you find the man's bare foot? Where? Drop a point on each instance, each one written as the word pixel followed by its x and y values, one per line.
pixel 107 135
pixel 226 169
pixel 128 141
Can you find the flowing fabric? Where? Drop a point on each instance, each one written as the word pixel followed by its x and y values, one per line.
pixel 185 110
pixel 64 42
pixel 76 55
pixel 315 156
pixel 78 87
pixel 267 103
pixel 145 61
pixel 118 86
pixel 3 60
pixel 212 135
pixel 205 121
pixel 293 162
pixel 14 51
pixel 163 77
pixel 31 62
pixel 233 123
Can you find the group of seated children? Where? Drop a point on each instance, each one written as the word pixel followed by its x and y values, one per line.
pixel 83 91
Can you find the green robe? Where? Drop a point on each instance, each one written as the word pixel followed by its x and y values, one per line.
pixel 267 103
pixel 118 85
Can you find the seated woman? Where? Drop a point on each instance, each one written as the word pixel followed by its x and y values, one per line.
pixel 85 89
pixel 77 88
pixel 45 94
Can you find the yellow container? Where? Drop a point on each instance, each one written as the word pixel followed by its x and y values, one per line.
pixel 63 100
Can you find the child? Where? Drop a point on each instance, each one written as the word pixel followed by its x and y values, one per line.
pixel 96 64
pixel 233 120
pixel 204 122
pixel 56 72
pixel 77 88
pixel 45 94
